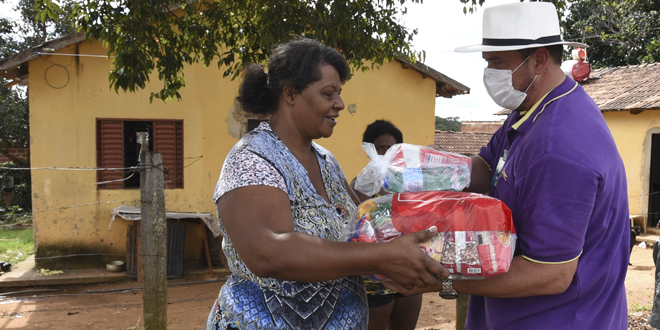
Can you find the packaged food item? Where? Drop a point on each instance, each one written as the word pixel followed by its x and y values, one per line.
pixel 475 239
pixel 409 168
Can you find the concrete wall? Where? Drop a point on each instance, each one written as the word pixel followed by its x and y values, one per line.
pixel 632 134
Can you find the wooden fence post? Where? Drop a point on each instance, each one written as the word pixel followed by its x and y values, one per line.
pixel 154 241
pixel 461 310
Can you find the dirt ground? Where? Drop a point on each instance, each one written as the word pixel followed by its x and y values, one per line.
pixel 71 307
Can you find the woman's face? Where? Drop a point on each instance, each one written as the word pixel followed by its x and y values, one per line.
pixel 384 142
pixel 317 106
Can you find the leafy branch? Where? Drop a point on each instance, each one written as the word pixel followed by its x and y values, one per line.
pixel 147 36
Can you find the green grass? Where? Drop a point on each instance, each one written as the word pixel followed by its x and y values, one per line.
pixel 16 245
pixel 635 307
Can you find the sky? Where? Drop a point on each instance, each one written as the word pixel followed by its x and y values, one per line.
pixel 441 26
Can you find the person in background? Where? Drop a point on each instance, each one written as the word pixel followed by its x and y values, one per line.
pixel 383 135
pixel 282 201
pixel 555 164
pixel 387 309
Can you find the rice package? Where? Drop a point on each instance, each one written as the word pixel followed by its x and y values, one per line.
pixel 409 168
pixel 475 240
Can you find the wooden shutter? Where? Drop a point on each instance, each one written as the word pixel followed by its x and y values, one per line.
pixel 110 151
pixel 179 153
pixel 168 140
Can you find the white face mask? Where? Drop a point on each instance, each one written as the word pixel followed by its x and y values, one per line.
pixel 499 85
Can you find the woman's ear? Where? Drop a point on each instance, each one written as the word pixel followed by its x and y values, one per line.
pixel 289 94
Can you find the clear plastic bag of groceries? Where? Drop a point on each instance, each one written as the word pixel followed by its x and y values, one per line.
pixel 408 168
pixel 475 240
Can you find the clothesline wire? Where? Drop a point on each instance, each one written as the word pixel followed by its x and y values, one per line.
pixel 84 168
pixel 82 205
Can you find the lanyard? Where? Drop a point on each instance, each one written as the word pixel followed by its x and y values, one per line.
pixel 498 169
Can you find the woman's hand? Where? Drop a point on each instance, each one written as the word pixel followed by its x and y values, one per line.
pixel 408 266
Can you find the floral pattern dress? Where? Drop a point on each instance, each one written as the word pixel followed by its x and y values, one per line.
pixel 247 301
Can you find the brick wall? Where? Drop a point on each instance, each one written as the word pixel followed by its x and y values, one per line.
pixel 16 152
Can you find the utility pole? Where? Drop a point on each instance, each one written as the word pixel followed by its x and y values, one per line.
pixel 154 239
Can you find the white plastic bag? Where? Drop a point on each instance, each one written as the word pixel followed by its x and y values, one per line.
pixel 370 179
pixel 409 168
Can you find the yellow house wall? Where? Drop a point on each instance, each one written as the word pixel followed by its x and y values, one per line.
pixel 632 134
pixel 67 94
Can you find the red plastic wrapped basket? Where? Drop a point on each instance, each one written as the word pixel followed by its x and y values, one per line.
pixel 475 240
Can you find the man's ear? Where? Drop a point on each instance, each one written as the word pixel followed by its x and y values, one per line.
pixel 289 94
pixel 541 60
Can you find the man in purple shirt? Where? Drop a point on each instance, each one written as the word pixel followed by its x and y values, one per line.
pixel 554 163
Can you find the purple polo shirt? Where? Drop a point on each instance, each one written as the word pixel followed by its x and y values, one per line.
pixel 565 183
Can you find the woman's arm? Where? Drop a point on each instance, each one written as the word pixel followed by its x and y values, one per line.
pixel 259 222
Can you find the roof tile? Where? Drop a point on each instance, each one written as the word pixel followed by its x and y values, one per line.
pixel 632 87
pixel 465 143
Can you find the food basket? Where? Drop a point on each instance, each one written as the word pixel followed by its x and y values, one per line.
pixel 475 240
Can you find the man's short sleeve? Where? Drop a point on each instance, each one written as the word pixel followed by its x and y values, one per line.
pixel 245 168
pixel 489 153
pixel 557 198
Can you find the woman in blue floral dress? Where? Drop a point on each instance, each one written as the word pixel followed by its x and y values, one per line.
pixel 282 200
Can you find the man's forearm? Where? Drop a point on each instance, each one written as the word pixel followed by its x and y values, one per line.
pixel 480 177
pixel 524 279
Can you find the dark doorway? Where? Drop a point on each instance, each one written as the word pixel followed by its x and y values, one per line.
pixel 654 182
pixel 133 131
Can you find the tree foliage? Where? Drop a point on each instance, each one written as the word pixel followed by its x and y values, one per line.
pixel 15 37
pixel 450 124
pixel 33 29
pixel 144 36
pixel 618 32
pixel 14 126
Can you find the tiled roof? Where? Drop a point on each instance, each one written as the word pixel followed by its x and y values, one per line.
pixel 461 142
pixel 444 86
pixel 633 87
pixel 481 126
pixel 503 112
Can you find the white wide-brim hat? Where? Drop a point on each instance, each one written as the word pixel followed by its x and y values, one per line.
pixel 519 25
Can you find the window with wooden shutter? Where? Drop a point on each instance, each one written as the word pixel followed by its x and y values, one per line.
pixel 168 141
pixel 110 152
pixel 118 146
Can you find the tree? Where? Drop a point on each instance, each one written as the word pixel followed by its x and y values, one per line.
pixel 15 37
pixel 14 109
pixel 164 35
pixel 14 126
pixel 450 124
pixel 618 32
